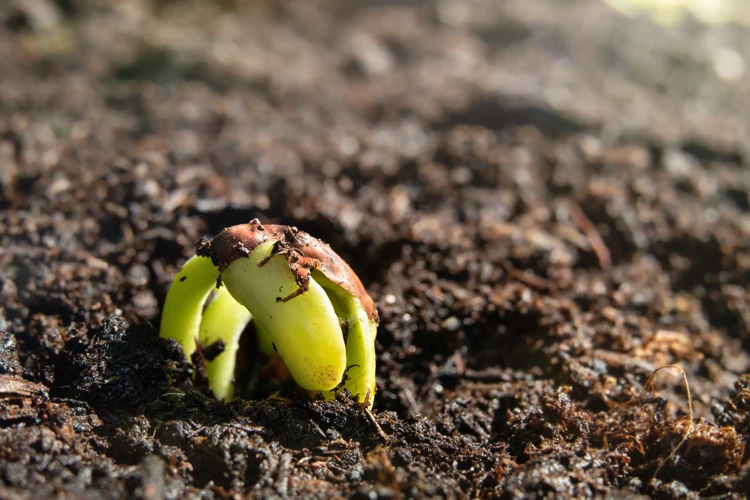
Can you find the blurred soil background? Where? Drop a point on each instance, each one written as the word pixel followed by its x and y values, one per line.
pixel 548 200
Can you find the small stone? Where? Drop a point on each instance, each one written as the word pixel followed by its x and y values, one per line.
pixel 452 324
pixel 9 362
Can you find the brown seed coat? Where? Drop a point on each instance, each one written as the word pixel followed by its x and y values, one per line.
pixel 303 252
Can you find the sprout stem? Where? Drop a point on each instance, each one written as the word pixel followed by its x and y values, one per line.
pixel 265 342
pixel 305 329
pixel 183 308
pixel 360 342
pixel 224 319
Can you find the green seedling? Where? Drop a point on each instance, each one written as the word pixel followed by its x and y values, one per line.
pixel 305 301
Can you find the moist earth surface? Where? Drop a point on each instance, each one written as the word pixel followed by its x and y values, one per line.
pixel 546 200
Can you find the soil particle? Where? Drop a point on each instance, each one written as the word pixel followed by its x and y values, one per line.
pixel 9 362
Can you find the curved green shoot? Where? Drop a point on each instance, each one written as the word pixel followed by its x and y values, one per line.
pixel 265 342
pixel 183 308
pixel 305 329
pixel 224 319
pixel 360 342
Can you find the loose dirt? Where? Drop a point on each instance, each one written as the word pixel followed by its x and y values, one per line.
pixel 546 201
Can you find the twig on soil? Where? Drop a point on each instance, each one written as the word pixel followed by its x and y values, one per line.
pixel 527 278
pixel 11 385
pixel 375 423
pixel 365 407
pixel 592 234
pixel 648 386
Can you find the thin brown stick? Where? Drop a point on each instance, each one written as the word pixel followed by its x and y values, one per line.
pixel 588 228
pixel 648 386
pixel 527 278
pixel 374 422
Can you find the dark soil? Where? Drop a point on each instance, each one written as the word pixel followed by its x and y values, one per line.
pixel 546 201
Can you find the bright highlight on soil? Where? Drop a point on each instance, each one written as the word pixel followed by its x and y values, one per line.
pixel 671 12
